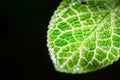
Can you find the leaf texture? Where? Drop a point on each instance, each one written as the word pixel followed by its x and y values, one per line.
pixel 84 36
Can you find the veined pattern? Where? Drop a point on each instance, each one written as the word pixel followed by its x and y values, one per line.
pixel 84 37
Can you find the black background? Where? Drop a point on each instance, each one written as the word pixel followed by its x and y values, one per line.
pixel 23 51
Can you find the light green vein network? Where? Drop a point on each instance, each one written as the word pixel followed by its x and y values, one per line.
pixel 84 36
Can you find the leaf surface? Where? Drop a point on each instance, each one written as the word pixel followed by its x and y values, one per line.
pixel 84 36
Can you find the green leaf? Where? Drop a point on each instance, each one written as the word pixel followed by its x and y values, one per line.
pixel 84 36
